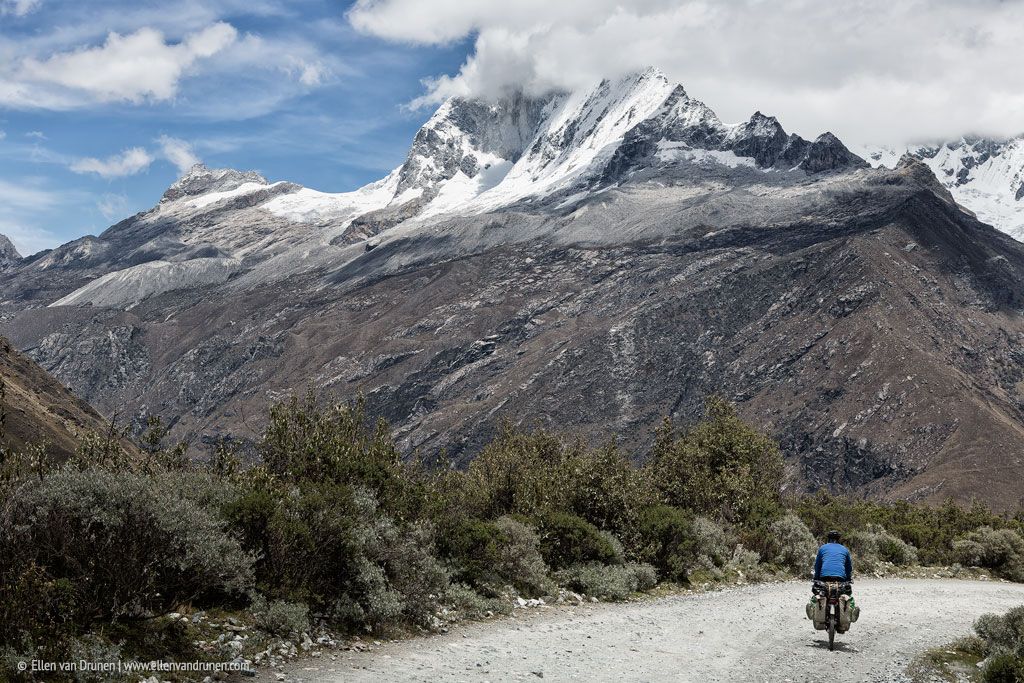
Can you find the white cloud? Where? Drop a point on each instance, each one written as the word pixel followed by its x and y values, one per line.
pixel 19 8
pixel 178 152
pixel 113 206
pixel 307 73
pixel 21 206
pixel 3 134
pixel 13 195
pixel 137 67
pixel 871 70
pixel 37 134
pixel 129 162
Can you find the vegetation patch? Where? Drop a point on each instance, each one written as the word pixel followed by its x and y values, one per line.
pixel 150 553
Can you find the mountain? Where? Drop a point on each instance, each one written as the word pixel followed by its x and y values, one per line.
pixel 37 409
pixel 590 261
pixel 9 256
pixel 983 174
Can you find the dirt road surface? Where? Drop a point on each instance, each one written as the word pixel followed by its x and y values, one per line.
pixel 753 633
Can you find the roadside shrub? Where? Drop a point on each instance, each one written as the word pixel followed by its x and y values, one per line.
pixel 1003 638
pixel 471 604
pixel 1001 550
pixel 333 547
pixel 471 546
pixel 746 563
pixel 1003 667
pixel 609 582
pixel 396 578
pixel 34 607
pixel 518 560
pixel 1005 630
pixel 518 473
pixel 790 544
pixel 712 542
pixel 721 467
pixel 280 617
pixel 875 544
pixel 567 540
pixel 603 487
pixel 932 530
pixel 667 541
pixel 490 555
pixel 121 544
pixel 337 442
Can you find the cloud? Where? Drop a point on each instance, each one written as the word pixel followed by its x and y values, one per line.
pixel 307 73
pixel 178 152
pixel 19 8
pixel 129 162
pixel 37 134
pixel 13 195
pixel 871 70
pixel 136 67
pixel 22 204
pixel 3 134
pixel 113 206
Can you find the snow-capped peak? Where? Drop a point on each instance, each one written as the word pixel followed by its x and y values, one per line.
pixel 201 180
pixel 983 175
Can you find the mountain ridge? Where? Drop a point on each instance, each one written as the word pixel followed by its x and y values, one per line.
pixel 635 256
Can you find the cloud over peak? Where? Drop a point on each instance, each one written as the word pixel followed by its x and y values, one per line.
pixel 873 70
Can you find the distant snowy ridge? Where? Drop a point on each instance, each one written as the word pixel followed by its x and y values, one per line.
pixel 985 176
pixel 123 288
pixel 470 157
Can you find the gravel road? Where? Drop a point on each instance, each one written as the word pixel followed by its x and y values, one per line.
pixel 754 633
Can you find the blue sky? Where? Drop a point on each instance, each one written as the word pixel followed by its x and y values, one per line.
pixel 95 127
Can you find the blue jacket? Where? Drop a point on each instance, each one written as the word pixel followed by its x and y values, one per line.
pixel 833 560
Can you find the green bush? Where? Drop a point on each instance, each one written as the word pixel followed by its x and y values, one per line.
pixel 121 544
pixel 1002 630
pixel 34 607
pixel 1003 637
pixel 468 603
pixel 305 441
pixel 519 561
pixel 667 541
pixel 1003 667
pixel 518 473
pixel 790 544
pixel 280 617
pixel 332 546
pixel 874 544
pixel 531 473
pixel 712 542
pixel 491 555
pixel 720 467
pixel 567 540
pixel 609 582
pixel 1001 550
pixel 396 578
pixel 932 530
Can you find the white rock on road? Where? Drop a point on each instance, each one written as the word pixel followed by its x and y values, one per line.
pixel 754 633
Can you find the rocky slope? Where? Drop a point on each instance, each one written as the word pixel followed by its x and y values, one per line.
pixel 37 409
pixel 984 175
pixel 588 261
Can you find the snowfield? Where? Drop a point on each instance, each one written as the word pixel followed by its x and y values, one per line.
pixel 125 288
